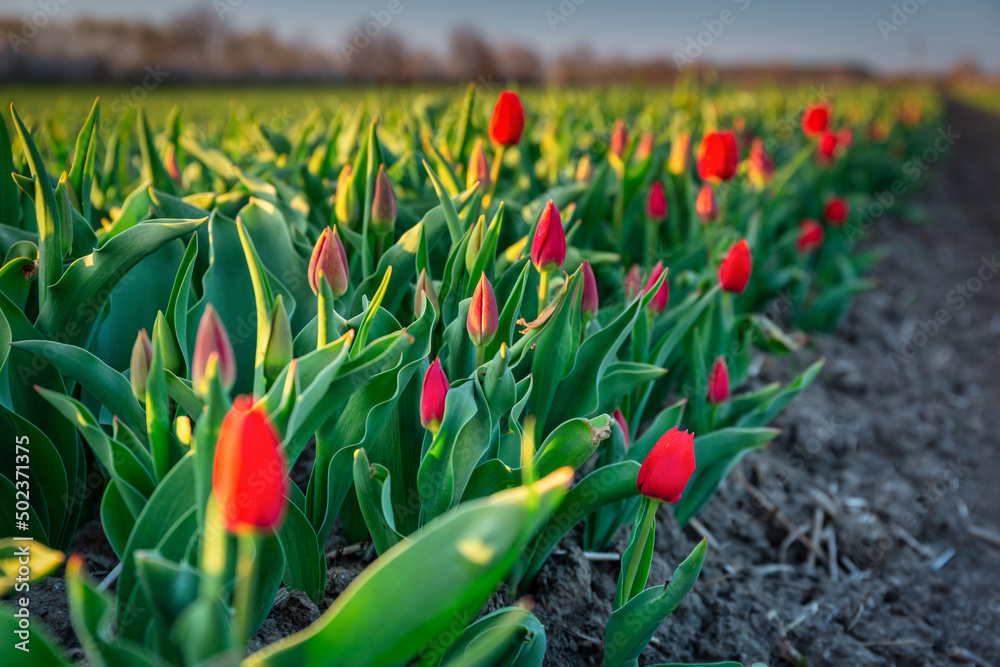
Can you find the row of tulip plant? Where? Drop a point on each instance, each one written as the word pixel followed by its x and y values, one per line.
pixel 466 337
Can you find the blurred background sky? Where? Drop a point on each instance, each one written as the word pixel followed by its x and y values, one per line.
pixel 886 36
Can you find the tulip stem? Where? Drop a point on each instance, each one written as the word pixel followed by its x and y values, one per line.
pixel 543 291
pixel 494 175
pixel 645 521
pixel 651 239
pixel 480 355
pixel 243 596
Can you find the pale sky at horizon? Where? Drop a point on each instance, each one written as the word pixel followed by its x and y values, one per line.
pixel 935 34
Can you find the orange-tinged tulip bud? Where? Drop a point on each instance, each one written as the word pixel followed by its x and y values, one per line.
pixel 330 258
pixel 810 236
pixel 250 475
pixel 425 287
pixel 432 396
pixel 484 318
pixel 680 150
pixel 705 205
pixel 584 169
pixel 588 302
pixel 507 122
pixel 734 272
pixel 656 203
pixel 659 302
pixel 212 339
pixel 548 248
pixel 383 219
pixel 718 156
pixel 760 165
pixel 142 357
pixel 645 147
pixel 718 382
pixel 668 467
pixel 619 138
pixel 479 168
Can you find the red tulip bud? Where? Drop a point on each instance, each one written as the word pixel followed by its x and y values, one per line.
pixel 815 119
pixel 734 272
pixel 479 168
pixel 142 357
pixel 827 147
pixel 329 257
pixel 212 339
pixel 718 156
pixel 383 218
pixel 425 287
pixel 645 147
pixel 250 475
pixel 845 136
pixel 656 203
pixel 619 138
pixel 588 302
pixel 484 319
pixel 623 425
pixel 718 382
pixel 548 248
pixel 668 467
pixel 705 206
pixel 659 302
pixel 633 282
pixel 810 236
pixel 835 211
pixel 432 396
pixel 507 122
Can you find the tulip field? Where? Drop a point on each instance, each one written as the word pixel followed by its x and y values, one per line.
pixel 400 356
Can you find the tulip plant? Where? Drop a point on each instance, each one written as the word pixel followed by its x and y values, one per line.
pixel 467 330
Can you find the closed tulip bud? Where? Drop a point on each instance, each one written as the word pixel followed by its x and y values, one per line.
pixel 346 206
pixel 278 352
pixel 844 136
pixel 645 147
pixel 548 248
pixel 623 425
pixel 659 302
pixel 827 147
pixel 633 282
pixel 330 259
pixel 705 206
pixel 507 122
pixel 475 242
pixel 588 302
pixel 142 357
pixel 668 467
pixel 718 156
pixel 656 203
pixel 425 287
pixel 479 168
pixel 432 397
pixel 169 351
pixel 760 165
pixel 170 162
pixel 680 150
pixel 383 219
pixel 584 169
pixel 810 236
pixel 835 211
pixel 250 474
pixel 718 382
pixel 212 339
pixel 619 139
pixel 815 119
pixel 484 318
pixel 734 272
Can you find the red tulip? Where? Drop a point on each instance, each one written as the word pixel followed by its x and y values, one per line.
pixel 484 319
pixel 212 339
pixel 507 122
pixel 250 476
pixel 432 396
pixel 718 156
pixel 658 304
pixel 827 146
pixel 619 138
pixel 329 257
pixel 623 425
pixel 705 206
pixel 835 211
pixel 718 382
pixel 734 272
pixel 589 302
pixel 548 248
pixel 668 467
pixel 633 282
pixel 656 203
pixel 810 236
pixel 815 119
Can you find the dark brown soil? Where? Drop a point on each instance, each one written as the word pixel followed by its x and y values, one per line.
pixel 897 460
